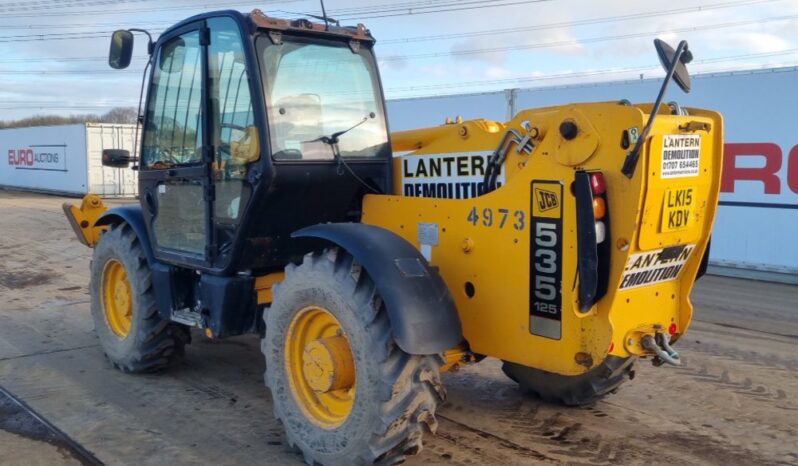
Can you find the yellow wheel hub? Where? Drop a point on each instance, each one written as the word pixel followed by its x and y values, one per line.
pixel 117 298
pixel 320 366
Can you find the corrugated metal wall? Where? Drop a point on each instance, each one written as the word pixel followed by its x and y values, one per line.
pixel 106 181
pixel 757 224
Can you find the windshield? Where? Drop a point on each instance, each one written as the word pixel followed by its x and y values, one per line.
pixel 316 89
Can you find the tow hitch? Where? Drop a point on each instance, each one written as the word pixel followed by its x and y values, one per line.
pixel 660 345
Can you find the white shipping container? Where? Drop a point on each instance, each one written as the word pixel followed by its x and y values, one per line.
pixel 67 159
pixel 756 225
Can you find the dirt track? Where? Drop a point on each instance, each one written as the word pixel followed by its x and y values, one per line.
pixel 735 401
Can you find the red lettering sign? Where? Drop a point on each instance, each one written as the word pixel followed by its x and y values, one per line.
pixel 767 174
pixel 21 157
pixel 792 170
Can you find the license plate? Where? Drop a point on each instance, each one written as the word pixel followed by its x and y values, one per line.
pixel 677 209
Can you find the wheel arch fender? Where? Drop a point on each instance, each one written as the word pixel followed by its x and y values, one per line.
pixel 133 216
pixel 422 312
pixel 161 272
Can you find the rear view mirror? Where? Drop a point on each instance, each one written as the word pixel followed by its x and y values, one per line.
pixel 117 158
pixel 666 54
pixel 674 62
pixel 121 49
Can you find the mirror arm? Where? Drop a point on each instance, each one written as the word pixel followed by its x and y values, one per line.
pixel 630 163
pixel 150 43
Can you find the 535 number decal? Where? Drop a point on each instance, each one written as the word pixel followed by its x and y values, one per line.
pixel 499 218
pixel 545 261
pixel 545 266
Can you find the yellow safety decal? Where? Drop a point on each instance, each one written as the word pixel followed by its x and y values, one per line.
pixel 677 208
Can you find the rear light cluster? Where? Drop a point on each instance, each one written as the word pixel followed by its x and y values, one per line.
pixel 599 188
pixel 593 236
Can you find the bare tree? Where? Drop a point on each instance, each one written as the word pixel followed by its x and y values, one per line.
pixel 128 115
pixel 125 115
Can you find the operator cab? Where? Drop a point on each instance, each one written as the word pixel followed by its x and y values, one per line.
pixel 253 128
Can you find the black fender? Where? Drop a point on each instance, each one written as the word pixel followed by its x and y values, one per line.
pixel 702 268
pixel 162 274
pixel 133 216
pixel 423 315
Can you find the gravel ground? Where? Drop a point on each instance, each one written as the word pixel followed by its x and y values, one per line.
pixel 734 401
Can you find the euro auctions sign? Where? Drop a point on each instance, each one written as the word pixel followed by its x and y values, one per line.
pixel 38 157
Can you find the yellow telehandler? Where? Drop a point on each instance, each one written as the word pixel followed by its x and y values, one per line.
pixel 274 200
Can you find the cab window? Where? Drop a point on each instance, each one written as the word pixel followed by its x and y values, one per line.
pixel 173 139
pixel 173 135
pixel 233 131
pixel 315 89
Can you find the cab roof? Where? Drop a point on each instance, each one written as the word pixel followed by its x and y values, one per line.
pixel 264 21
pixel 260 20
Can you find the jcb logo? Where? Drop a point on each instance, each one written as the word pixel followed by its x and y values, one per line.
pixel 547 200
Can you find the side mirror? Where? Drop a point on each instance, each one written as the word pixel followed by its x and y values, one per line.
pixel 121 49
pixel 117 158
pixel 674 62
pixel 666 55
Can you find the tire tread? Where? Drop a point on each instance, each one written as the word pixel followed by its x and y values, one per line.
pixel 410 388
pixel 161 342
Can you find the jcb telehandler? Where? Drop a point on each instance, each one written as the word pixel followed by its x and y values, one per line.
pixel 274 200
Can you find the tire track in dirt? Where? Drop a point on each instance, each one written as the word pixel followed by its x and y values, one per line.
pixel 553 431
pixel 748 357
pixel 746 386
pixel 561 436
pixel 710 450
pixel 459 444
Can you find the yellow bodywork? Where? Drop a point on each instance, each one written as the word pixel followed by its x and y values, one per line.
pixel 83 219
pixel 484 244
pixel 264 285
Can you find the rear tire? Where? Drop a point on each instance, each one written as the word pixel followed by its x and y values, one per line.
pixel 576 390
pixel 395 394
pixel 135 339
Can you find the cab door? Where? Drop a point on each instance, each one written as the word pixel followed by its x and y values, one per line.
pixel 234 133
pixel 176 191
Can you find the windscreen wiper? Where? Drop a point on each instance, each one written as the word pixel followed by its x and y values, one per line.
pixel 332 141
pixel 333 138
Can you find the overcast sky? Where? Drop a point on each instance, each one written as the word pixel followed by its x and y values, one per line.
pixel 53 53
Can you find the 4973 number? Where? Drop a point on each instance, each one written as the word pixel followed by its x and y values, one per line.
pixel 499 218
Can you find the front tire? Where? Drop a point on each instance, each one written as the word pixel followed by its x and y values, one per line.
pixel 355 398
pixel 132 334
